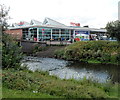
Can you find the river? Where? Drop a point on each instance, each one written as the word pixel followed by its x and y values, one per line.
pixel 77 70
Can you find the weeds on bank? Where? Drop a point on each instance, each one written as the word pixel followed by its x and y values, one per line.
pixel 38 48
pixel 91 52
pixel 43 83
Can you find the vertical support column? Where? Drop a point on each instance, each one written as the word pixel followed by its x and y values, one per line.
pixel 73 35
pixel 59 33
pixel 29 34
pixel 65 34
pixel 69 34
pixel 37 34
pixel 89 35
pixel 51 34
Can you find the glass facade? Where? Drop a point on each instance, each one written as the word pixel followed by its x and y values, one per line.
pixel 24 34
pixel 33 34
pixel 55 34
pixel 47 34
pixel 65 34
pixel 29 34
pixel 44 34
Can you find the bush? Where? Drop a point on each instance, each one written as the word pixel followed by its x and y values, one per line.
pixel 11 52
pixel 59 53
pixel 38 48
pixel 19 80
pixel 102 51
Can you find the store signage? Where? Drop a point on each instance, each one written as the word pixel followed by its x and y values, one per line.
pixel 74 24
pixel 21 24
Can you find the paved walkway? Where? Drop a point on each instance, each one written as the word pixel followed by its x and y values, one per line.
pixel 58 42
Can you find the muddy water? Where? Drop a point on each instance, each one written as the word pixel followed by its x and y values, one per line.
pixel 76 70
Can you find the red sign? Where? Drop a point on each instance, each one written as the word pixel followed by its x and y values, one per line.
pixel 21 23
pixel 75 24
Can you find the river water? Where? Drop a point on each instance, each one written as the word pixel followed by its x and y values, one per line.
pixel 77 70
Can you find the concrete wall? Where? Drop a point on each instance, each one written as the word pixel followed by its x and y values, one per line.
pixel 28 46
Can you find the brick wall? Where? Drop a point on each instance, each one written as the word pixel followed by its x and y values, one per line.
pixel 16 33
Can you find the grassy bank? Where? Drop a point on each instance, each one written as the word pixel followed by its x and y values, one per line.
pixel 91 52
pixel 14 93
pixel 27 84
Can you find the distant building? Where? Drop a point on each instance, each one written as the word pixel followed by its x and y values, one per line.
pixel 119 10
pixel 53 30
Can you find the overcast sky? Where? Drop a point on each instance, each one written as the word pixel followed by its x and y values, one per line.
pixel 95 13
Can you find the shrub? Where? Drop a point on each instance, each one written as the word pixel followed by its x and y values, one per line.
pixel 19 80
pixel 11 52
pixel 59 53
pixel 102 51
pixel 38 48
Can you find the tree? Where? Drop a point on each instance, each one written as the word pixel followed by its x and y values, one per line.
pixel 11 52
pixel 113 29
pixel 3 17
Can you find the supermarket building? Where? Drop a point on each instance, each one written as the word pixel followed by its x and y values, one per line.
pixel 51 30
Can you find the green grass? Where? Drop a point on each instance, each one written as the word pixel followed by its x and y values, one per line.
pixel 10 93
pixel 22 83
pixel 94 61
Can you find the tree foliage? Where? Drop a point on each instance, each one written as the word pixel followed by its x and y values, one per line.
pixel 113 29
pixel 4 17
pixel 11 52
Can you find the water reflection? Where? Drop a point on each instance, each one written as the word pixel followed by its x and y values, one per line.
pixel 80 73
pixel 76 70
pixel 101 72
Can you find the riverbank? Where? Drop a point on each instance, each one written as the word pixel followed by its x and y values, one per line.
pixel 47 51
pixel 105 52
pixel 38 83
pixel 42 85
